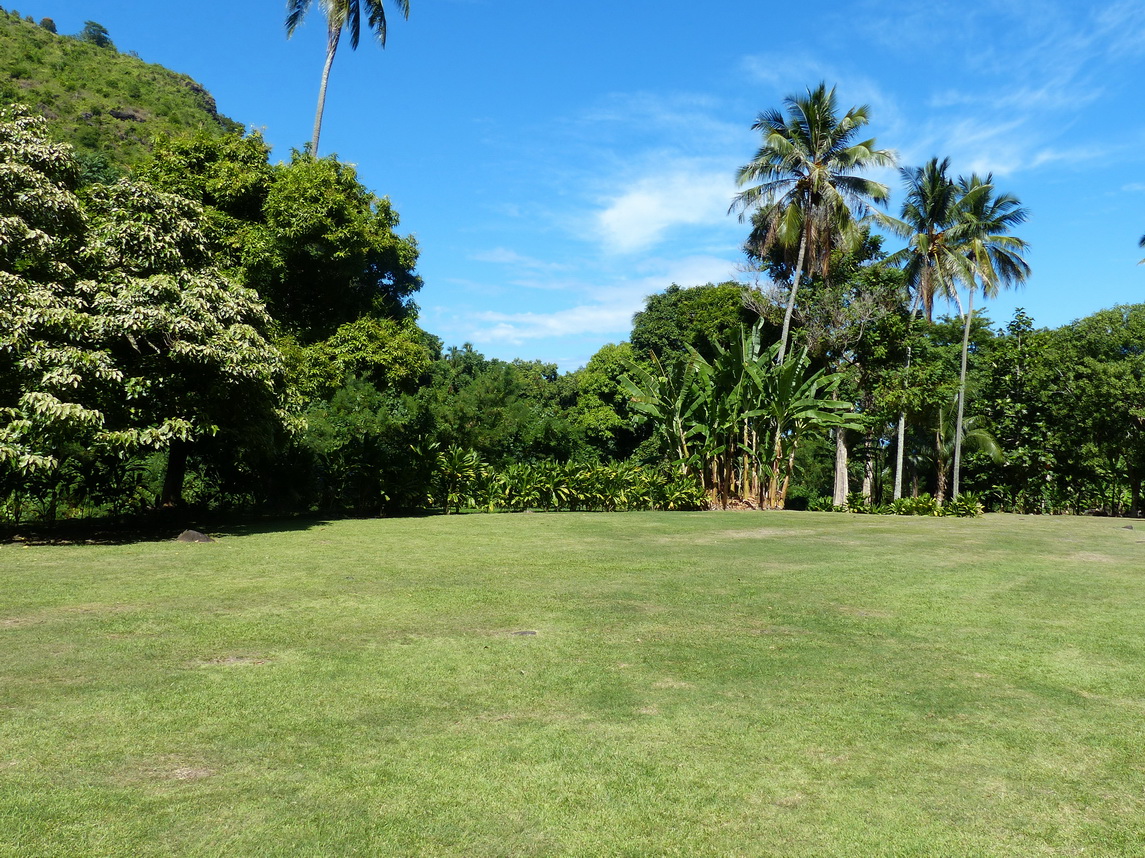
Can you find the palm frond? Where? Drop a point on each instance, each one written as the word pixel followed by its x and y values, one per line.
pixel 295 11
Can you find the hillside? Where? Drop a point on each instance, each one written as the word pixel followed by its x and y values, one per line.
pixel 107 104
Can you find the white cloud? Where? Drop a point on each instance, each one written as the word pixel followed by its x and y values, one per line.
pixel 641 215
pixel 516 328
pixel 505 256
pixel 609 311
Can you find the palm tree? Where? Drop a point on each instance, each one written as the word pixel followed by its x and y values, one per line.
pixel 932 259
pixel 945 430
pixel 931 213
pixel 994 258
pixel 803 184
pixel 340 14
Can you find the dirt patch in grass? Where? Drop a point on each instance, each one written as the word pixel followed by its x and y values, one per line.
pixel 61 612
pixel 763 533
pixel 171 767
pixel 231 661
pixel 793 800
pixel 778 630
pixel 19 622
pixel 724 535
pixel 1090 557
pixel 189 773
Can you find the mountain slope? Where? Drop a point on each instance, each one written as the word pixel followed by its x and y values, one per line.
pixel 107 104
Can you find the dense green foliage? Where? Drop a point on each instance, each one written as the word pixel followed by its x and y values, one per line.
pixel 119 334
pixel 110 106
pixel 316 245
pixel 230 333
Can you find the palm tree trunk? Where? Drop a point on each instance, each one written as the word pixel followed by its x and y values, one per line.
pixel 962 393
pixel 791 299
pixel 745 464
pixel 772 499
pixel 332 36
pixel 787 475
pixel 869 473
pixel 901 438
pixel 939 466
pixel 842 478
pixel 902 415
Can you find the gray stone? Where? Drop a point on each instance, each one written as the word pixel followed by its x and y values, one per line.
pixel 193 536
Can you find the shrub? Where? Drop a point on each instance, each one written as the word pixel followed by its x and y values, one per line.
pixel 966 505
pixel 924 504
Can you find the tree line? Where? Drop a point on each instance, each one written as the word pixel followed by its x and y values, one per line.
pixel 219 331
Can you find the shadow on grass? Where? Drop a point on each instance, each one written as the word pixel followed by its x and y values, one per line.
pixel 159 527
pixel 166 525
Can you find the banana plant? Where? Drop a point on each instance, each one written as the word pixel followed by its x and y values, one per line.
pixel 796 401
pixel 668 397
pixel 712 414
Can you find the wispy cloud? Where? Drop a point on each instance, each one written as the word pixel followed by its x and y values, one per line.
pixel 1000 105
pixel 684 123
pixel 630 193
pixel 647 209
pixel 505 256
pixel 608 311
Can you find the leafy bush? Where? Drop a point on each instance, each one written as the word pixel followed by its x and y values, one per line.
pixel 924 504
pixel 966 505
pixel 553 486
pixel 457 478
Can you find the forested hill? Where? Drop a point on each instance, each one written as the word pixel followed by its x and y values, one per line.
pixel 108 105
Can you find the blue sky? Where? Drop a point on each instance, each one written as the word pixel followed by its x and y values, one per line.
pixel 559 161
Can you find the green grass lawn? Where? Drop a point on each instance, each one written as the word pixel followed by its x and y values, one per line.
pixel 779 684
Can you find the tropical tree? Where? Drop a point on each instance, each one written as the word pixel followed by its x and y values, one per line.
pixel 1101 404
pixel 669 396
pixel 340 15
pixel 929 211
pixel 50 371
pixel 714 417
pixel 937 220
pixel 190 346
pixel 995 259
pixel 797 401
pixel 96 34
pixel 974 435
pixel 696 316
pixel 803 185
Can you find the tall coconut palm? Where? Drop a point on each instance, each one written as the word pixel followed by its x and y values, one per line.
pixel 803 188
pixel 930 220
pixel 930 217
pixel 340 15
pixel 994 259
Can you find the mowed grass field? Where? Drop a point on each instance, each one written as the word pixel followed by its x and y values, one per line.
pixel 755 684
